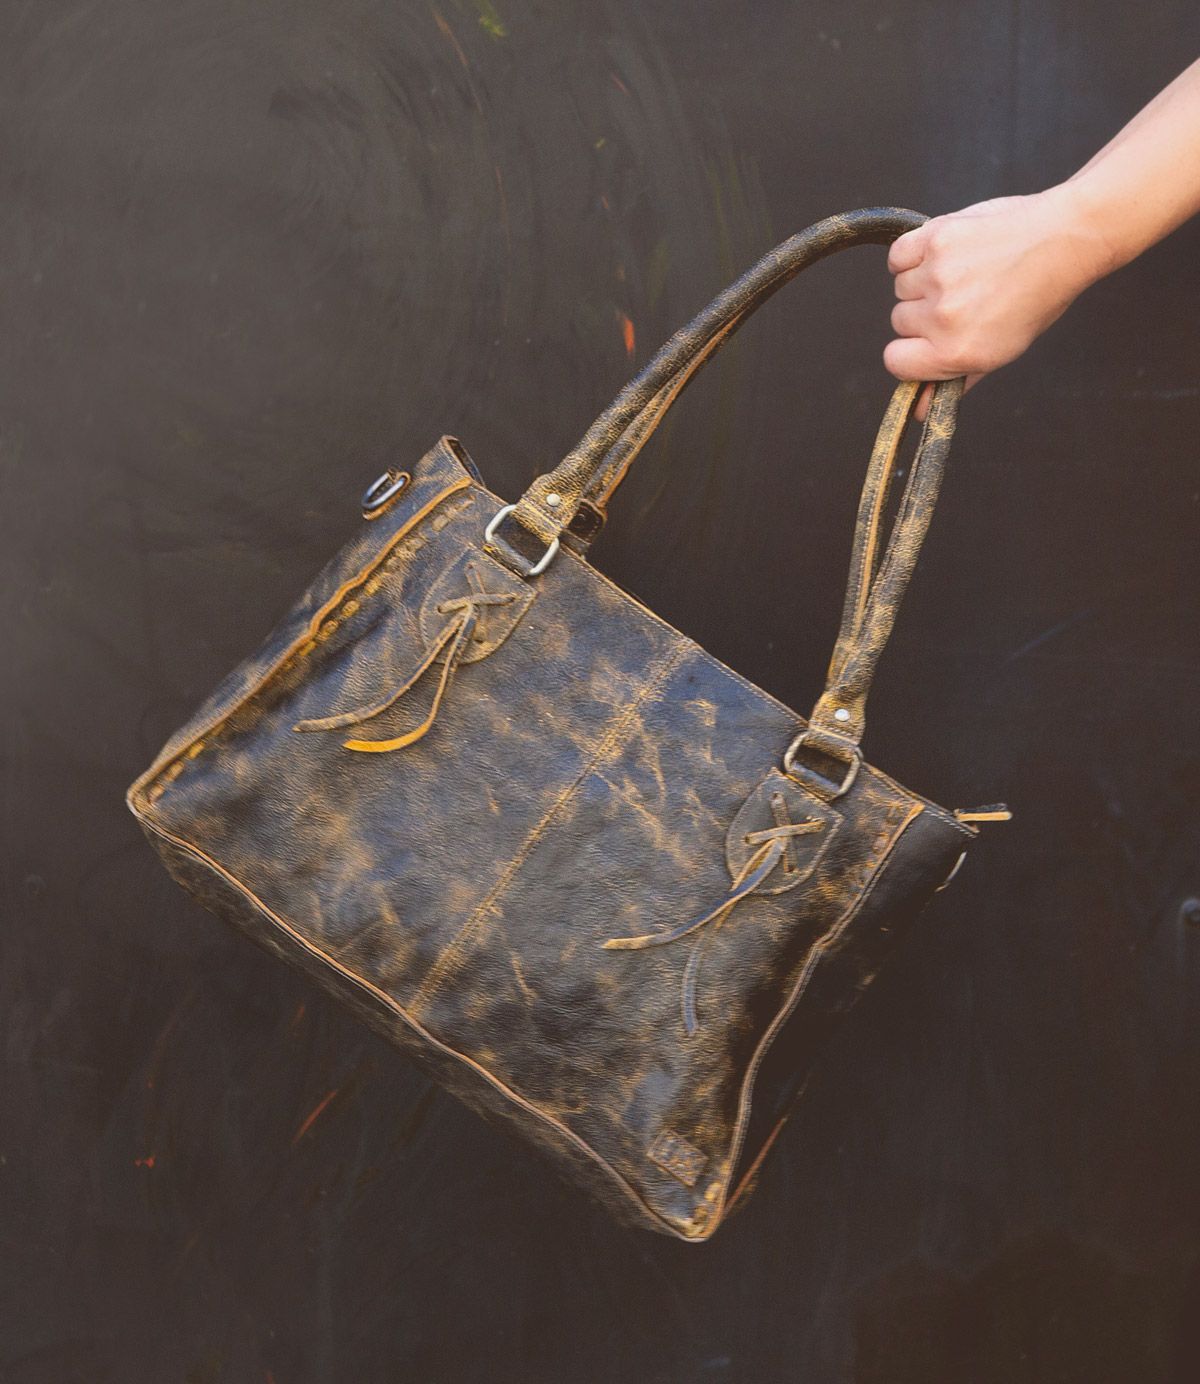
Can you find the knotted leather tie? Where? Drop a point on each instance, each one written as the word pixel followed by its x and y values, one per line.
pixel 453 639
pixel 774 848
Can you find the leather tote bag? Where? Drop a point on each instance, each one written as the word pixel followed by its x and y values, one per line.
pixel 590 877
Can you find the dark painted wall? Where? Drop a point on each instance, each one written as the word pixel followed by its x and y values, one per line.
pixel 251 252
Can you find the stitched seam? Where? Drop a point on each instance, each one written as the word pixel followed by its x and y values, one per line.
pixel 927 805
pixel 323 623
pixel 686 639
pixel 696 648
pixel 611 737
pixel 522 1102
pixel 816 952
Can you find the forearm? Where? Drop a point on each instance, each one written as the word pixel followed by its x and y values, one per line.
pixel 977 286
pixel 1145 182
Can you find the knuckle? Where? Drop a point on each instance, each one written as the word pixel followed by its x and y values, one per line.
pixel 939 276
pixel 952 312
pixel 938 235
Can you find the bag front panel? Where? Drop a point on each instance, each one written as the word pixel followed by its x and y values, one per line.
pixel 576 785
pixel 230 900
pixel 595 1036
pixel 381 858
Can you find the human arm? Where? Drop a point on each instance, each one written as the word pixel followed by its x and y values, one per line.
pixel 978 286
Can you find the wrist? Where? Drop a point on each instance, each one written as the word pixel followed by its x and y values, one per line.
pixel 1090 227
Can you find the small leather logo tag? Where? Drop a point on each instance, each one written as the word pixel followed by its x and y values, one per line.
pixel 673 1153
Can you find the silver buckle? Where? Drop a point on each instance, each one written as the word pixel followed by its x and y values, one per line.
pixel 489 536
pixel 802 771
pixel 381 490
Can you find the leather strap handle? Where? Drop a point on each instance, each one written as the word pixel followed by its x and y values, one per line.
pixel 592 512
pixel 550 502
pixel 877 584
pixel 589 473
pixel 877 485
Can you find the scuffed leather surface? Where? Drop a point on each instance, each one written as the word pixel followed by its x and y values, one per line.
pixel 804 853
pixel 578 784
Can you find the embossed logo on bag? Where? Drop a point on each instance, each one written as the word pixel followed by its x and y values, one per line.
pixel 673 1153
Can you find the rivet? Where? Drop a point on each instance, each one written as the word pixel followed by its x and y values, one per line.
pixel 554 499
pixel 841 714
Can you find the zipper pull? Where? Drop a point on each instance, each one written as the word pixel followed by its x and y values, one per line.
pixel 993 812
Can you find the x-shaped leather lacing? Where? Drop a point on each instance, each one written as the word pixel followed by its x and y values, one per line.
pixel 774 848
pixel 453 639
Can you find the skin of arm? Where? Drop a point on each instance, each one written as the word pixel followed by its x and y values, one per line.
pixel 978 286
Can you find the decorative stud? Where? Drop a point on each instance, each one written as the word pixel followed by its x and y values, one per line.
pixel 841 714
pixel 554 499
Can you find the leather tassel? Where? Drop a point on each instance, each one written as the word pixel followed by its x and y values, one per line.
pixel 453 640
pixel 459 633
pixel 750 877
pixel 365 713
pixel 773 846
pixel 770 856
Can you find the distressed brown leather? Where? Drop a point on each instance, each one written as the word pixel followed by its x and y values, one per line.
pixel 593 879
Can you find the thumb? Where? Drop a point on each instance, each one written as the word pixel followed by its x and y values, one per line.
pixel 913 358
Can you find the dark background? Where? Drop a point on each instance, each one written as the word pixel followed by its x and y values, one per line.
pixel 251 252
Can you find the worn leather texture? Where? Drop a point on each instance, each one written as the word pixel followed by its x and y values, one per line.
pixel 545 843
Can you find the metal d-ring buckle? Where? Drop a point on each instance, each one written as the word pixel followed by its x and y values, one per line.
pixel 802 771
pixel 489 536
pixel 383 489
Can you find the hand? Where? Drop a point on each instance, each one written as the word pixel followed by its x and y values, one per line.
pixel 976 287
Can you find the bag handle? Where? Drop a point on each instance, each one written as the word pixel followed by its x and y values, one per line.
pixel 876 584
pixel 589 473
pixel 590 517
pixel 584 465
